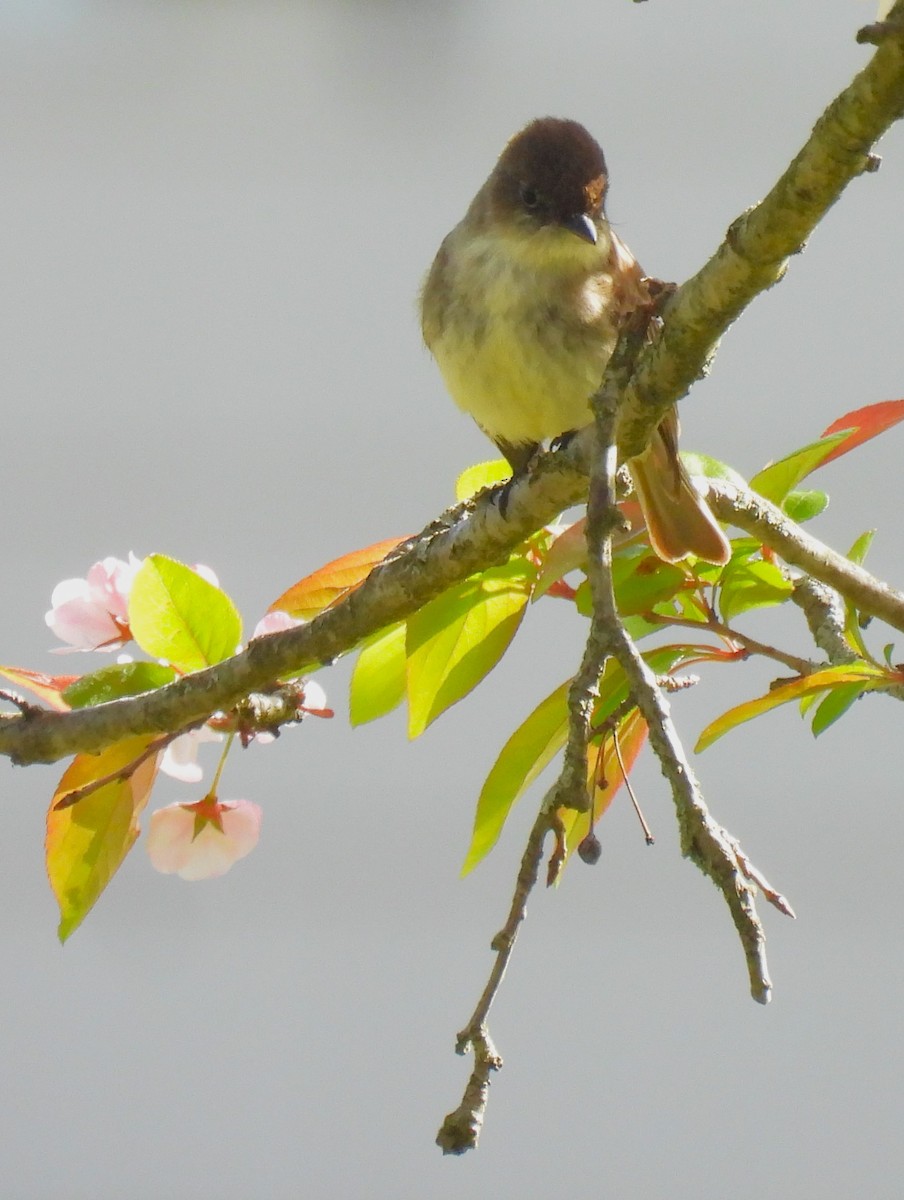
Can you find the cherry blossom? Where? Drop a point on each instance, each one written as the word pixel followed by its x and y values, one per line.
pixel 180 758
pixel 204 839
pixel 314 701
pixel 274 622
pixel 92 613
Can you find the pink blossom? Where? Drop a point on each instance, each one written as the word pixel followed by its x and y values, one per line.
pixel 314 701
pixel 207 573
pixel 204 839
pixel 180 758
pixel 92 613
pixel 274 622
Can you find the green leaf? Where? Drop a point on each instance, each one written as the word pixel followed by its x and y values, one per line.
pixel 860 548
pixel 112 683
pixel 705 467
pixel 480 476
pixel 531 747
pixel 176 615
pixel 87 841
pixel 852 632
pixel 641 581
pixel 835 705
pixel 805 505
pixel 539 738
pixel 457 639
pixel 378 680
pixel 750 584
pixel 776 480
pixel 871 678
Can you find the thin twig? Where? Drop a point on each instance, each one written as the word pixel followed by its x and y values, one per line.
pixel 702 840
pixel 800 666
pixel 647 832
pixel 603 519
pixel 460 1129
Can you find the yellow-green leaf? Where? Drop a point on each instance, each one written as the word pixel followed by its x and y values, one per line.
pixel 480 476
pixel 539 738
pixel 456 639
pixel 566 553
pixel 835 705
pixel 779 478
pixel 378 680
pixel 751 583
pixel 116 681
pixel 871 678
pixel 177 615
pixel 531 747
pixel 642 581
pixel 87 841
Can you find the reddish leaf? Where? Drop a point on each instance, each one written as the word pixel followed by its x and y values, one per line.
pixel 864 423
pixel 566 553
pixel 48 687
pixel 607 774
pixel 331 582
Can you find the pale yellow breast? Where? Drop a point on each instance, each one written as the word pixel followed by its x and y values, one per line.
pixel 524 333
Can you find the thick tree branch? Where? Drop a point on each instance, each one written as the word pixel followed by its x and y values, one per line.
pixel 758 244
pixel 757 516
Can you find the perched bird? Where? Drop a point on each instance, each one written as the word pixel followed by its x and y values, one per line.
pixel 522 308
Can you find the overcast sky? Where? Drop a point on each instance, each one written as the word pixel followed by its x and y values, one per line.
pixel 214 219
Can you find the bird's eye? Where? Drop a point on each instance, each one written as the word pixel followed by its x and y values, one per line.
pixel 529 197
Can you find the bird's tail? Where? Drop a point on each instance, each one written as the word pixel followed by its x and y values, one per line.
pixel 678 519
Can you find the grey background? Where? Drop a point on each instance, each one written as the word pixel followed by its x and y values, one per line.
pixel 214 218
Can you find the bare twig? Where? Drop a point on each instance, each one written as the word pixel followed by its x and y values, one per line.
pixel 638 812
pixel 461 1128
pixel 801 666
pixel 702 840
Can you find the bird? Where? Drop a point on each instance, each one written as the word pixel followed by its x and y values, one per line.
pixel 522 308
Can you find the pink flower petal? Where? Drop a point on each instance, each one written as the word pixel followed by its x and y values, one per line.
pixel 175 848
pixel 180 758
pixel 83 624
pixel 274 622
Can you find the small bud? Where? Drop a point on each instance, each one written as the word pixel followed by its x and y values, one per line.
pixel 590 850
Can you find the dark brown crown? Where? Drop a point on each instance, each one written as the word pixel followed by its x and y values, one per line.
pixel 557 164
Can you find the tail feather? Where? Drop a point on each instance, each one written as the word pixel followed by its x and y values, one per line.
pixel 678 519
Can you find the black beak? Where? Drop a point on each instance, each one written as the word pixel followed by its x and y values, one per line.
pixel 583 226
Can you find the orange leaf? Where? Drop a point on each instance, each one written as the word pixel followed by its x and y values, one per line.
pixel 331 582
pixel 864 423
pixel 47 687
pixel 632 734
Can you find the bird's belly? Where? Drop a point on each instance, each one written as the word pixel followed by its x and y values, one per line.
pixel 526 370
